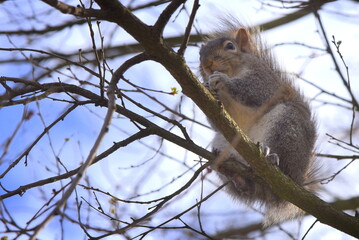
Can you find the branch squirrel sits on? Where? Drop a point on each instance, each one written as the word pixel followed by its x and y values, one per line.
pixel 244 76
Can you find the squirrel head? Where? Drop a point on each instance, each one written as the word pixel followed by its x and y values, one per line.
pixel 223 54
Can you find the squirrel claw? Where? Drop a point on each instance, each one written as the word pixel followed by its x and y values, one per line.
pixel 206 85
pixel 272 157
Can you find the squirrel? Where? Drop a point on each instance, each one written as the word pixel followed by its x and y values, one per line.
pixel 242 73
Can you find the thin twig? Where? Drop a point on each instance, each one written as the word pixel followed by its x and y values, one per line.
pixel 166 15
pixel 92 154
pixel 337 68
pixel 309 229
pixel 97 57
pixel 187 33
pixel 159 205
pixel 47 129
pixel 186 211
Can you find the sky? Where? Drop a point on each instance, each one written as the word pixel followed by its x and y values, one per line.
pixel 72 139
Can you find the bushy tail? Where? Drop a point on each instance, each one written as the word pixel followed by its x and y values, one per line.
pixel 285 210
pixel 280 213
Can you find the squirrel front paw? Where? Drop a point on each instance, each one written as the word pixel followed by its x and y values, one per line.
pixel 217 81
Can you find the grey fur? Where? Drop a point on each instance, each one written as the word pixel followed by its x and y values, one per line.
pixel 246 78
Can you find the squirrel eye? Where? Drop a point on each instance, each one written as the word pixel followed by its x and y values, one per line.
pixel 230 46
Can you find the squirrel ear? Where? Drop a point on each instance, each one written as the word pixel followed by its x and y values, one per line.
pixel 243 39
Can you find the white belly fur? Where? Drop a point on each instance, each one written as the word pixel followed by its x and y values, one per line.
pixel 260 130
pixel 257 132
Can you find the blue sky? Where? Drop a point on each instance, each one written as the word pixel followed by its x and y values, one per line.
pixel 81 127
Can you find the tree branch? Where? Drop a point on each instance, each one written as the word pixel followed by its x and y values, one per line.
pixel 46 130
pixel 91 156
pixel 279 183
pixel 167 14
pixel 151 128
pixel 186 36
pixel 76 11
pixel 347 204
pixel 156 49
pixel 345 82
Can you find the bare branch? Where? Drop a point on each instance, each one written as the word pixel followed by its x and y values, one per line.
pixel 167 14
pixel 186 36
pixel 337 68
pixel 76 11
pixel 104 129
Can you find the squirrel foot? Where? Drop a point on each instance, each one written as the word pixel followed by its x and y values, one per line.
pixel 206 85
pixel 272 157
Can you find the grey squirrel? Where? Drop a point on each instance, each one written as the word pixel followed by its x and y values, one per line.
pixel 245 77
